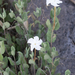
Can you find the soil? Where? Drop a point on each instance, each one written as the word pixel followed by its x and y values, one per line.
pixel 65 42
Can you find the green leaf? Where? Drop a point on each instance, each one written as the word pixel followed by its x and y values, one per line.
pixel 67 72
pixel 39 33
pixel 58 11
pixel 21 58
pixel 4 13
pixel 5 73
pixel 26 65
pixel 38 12
pixel 19 30
pixel 57 24
pixel 9 71
pixel 27 52
pixel 54 53
pixel 56 61
pixel 5 61
pixel 49 33
pixel 11 61
pixel 46 46
pixel 1 57
pixel 31 61
pixel 19 19
pixel 52 13
pixel 37 22
pixel 13 50
pixel 48 24
pixel 41 54
pixel 2 47
pixel 2 39
pixel 53 38
pixel 38 71
pixel 48 58
pixel 8 38
pixel 11 14
pixel 24 16
pixel 6 25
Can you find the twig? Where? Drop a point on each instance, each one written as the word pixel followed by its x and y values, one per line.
pixel 10 28
pixel 43 72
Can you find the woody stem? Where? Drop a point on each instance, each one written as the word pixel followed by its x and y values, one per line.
pixel 53 30
pixel 34 54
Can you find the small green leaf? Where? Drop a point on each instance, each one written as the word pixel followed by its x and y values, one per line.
pixel 38 71
pixel 48 58
pixel 2 47
pixel 58 11
pixel 2 39
pixel 27 52
pixel 49 35
pixel 19 30
pixel 26 65
pixel 53 38
pixel 11 14
pixel 4 13
pixel 52 13
pixel 38 12
pixel 67 72
pixel 24 16
pixel 13 50
pixel 5 61
pixel 19 19
pixel 31 61
pixel 11 61
pixel 48 24
pixel 54 53
pixel 57 24
pixel 56 61
pixel 6 25
pixel 37 22
pixel 1 57
pixel 8 38
pixel 5 73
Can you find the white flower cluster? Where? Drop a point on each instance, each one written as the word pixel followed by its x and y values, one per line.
pixel 53 2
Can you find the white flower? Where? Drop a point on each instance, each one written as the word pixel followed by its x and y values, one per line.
pixel 35 43
pixel 53 2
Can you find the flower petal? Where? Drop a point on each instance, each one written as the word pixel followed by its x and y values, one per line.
pixel 37 47
pixel 36 38
pixel 32 47
pixel 30 40
pixel 40 42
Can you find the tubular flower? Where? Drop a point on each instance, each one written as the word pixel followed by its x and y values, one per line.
pixel 53 2
pixel 35 43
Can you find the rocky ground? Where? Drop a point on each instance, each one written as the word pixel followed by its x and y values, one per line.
pixel 65 43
